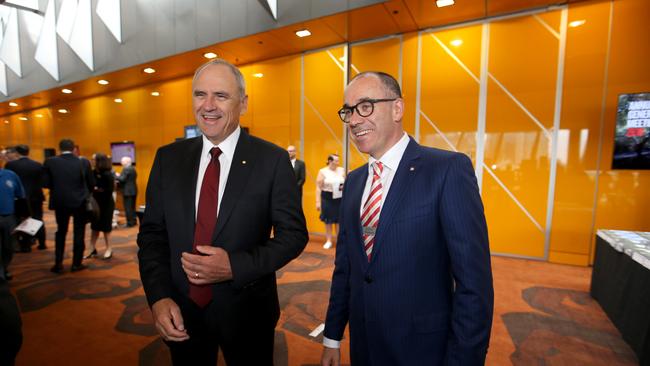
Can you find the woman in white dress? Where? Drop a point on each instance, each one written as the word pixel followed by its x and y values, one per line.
pixel 329 189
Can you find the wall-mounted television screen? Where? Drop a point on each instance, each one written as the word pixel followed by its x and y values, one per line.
pixel 192 131
pixel 122 149
pixel 632 137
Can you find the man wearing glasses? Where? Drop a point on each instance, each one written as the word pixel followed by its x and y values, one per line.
pixel 412 273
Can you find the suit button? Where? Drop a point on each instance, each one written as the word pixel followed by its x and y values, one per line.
pixel 368 279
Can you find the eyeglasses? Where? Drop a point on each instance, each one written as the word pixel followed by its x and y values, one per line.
pixel 363 108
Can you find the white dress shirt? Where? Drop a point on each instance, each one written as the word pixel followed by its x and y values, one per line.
pixel 227 147
pixel 390 160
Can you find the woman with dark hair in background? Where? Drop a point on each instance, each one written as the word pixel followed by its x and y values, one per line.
pixel 329 187
pixel 103 194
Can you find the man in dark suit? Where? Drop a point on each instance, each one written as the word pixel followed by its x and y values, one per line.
pixel 412 273
pixel 129 189
pixel 70 180
pixel 31 174
pixel 207 260
pixel 298 168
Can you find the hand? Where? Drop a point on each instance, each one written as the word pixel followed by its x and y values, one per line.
pixel 331 357
pixel 212 267
pixel 317 206
pixel 169 321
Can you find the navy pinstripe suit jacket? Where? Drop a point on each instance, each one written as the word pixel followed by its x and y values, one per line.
pixel 426 298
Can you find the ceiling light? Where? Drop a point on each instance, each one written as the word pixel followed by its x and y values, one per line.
pixel 22 118
pixel 456 42
pixel 210 55
pixel 118 100
pixel 66 91
pixel 149 70
pixel 258 75
pixel 577 23
pixel 102 82
pixel 442 3
pixel 64 111
pixel 155 94
pixel 38 115
pixel 303 33
pixel 7 121
pixel 13 104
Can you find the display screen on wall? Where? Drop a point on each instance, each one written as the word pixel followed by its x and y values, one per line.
pixel 192 131
pixel 122 149
pixel 632 138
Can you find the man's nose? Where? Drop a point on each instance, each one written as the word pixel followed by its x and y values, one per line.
pixel 210 103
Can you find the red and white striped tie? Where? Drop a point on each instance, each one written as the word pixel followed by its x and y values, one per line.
pixel 371 209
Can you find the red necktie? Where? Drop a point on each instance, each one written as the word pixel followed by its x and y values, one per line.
pixel 206 220
pixel 371 209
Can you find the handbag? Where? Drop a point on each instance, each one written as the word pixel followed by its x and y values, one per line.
pixel 92 208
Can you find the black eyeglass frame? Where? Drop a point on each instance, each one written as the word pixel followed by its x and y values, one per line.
pixel 342 112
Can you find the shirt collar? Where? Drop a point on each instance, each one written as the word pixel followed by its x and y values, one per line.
pixel 227 146
pixel 393 156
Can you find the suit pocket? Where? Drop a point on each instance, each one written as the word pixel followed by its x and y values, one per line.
pixel 432 322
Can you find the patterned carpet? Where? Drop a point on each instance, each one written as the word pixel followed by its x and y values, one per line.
pixel 543 312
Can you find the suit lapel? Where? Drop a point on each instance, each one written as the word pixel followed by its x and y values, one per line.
pixel 356 190
pixel 404 176
pixel 189 173
pixel 240 168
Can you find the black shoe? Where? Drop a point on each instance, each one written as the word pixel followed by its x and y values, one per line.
pixel 58 268
pixel 8 276
pixel 41 247
pixel 91 254
pixel 76 268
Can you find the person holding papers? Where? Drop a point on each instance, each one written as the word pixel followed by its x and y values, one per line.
pixel 329 189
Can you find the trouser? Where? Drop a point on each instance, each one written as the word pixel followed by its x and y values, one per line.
pixel 79 219
pixel 7 224
pixel 129 210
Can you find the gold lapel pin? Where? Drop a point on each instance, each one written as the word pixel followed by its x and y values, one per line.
pixel 412 168
pixel 243 162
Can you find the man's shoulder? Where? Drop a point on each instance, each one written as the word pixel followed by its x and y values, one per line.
pixel 180 146
pixel 438 155
pixel 263 147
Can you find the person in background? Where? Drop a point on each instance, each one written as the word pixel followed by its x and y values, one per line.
pixel 298 168
pixel 207 256
pixel 70 180
pixel 11 189
pixel 127 181
pixel 11 325
pixel 412 274
pixel 31 175
pixel 103 194
pixel 329 185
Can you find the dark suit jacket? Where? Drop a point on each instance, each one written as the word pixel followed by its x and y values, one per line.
pixel 260 194
pixel 299 170
pixel 68 186
pixel 426 297
pixel 127 181
pixel 31 175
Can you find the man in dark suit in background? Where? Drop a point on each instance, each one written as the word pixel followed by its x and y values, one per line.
pixel 70 180
pixel 31 175
pixel 127 180
pixel 298 168
pixel 412 273
pixel 207 260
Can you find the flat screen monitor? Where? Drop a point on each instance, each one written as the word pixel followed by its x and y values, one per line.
pixel 192 131
pixel 122 149
pixel 632 136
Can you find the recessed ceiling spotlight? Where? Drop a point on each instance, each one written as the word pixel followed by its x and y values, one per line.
pixel 38 115
pixel 102 82
pixel 66 91
pixel 303 33
pixel 149 70
pixel 577 23
pixel 62 110
pixel 155 94
pixel 210 55
pixel 456 42
pixel 258 75
pixel 13 104
pixel 6 121
pixel 22 118
pixel 118 100
pixel 443 3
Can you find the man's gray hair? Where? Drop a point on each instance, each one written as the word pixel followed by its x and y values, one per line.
pixel 241 83
pixel 387 80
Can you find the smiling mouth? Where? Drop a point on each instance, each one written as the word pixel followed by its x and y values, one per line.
pixel 210 117
pixel 361 133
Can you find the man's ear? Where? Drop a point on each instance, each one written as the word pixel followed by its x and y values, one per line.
pixel 398 110
pixel 244 105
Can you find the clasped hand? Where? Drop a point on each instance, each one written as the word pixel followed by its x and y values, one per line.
pixel 211 267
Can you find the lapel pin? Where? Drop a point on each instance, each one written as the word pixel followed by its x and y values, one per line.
pixel 412 168
pixel 243 162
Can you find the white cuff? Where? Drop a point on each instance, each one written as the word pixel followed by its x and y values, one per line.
pixel 330 343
